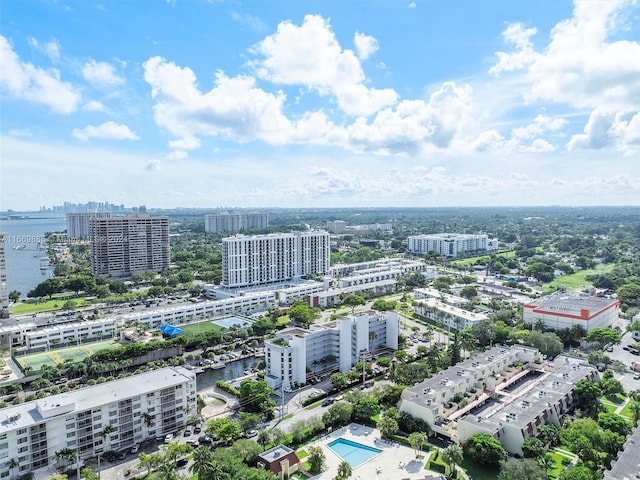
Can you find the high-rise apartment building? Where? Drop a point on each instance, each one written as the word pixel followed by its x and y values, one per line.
pixel 451 244
pixel 135 408
pixel 78 223
pixel 4 287
pixel 235 222
pixel 123 246
pixel 279 257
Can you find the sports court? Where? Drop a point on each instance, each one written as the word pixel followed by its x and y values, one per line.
pixel 55 357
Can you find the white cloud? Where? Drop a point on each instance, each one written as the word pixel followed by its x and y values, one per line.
pixel 25 132
pixel 24 81
pixel 412 5
pixel 524 55
pixel 608 128
pixel 235 108
pixel 101 74
pixel 251 21
pixel 53 50
pixel 108 130
pixel 310 55
pixel 365 45
pixel 94 106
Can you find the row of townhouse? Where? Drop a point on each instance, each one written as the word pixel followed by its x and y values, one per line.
pixel 517 415
pixel 627 464
pixel 296 353
pixel 428 292
pixel 427 399
pixel 447 315
pixel 32 336
pixel 93 420
pixel 405 265
pixel 333 296
pixel 512 395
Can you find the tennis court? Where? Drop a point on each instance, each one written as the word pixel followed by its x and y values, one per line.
pixel 35 361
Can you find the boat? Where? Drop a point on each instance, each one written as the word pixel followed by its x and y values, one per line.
pixel 217 366
pixel 19 247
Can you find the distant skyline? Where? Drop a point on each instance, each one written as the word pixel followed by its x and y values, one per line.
pixel 194 103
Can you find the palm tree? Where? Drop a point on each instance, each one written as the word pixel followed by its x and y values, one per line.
pixel 13 463
pixel 344 470
pixel 635 409
pixel 167 472
pixel 546 462
pixel 452 456
pixel 148 419
pixel 416 440
pixel 67 455
pixel 202 462
pixel 264 437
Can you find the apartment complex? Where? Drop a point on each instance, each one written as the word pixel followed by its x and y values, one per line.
pixel 564 310
pixel 234 222
pixel 507 394
pixel 135 408
pixel 627 465
pixel 447 315
pixel 123 246
pixel 297 353
pixel 78 223
pixel 451 244
pixel 265 259
pixel 4 287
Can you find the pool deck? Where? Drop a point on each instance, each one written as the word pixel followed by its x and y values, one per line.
pixel 396 462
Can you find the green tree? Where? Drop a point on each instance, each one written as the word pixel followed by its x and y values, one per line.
pixel 484 449
pixel 316 459
pixel 603 335
pixel 302 314
pixel 255 396
pixel 469 292
pixel 579 472
pixel 338 414
pixel 364 409
pixel 533 448
pixel 587 395
pixel 521 470
pixel 388 426
pixel 202 462
pixel 417 440
pixel 14 296
pixel 344 470
pixel 149 461
pixel 615 423
pixel 339 381
pixel 223 429
pixel 352 301
pixel 452 456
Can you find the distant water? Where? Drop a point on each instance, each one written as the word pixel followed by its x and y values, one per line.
pixel 233 370
pixel 23 264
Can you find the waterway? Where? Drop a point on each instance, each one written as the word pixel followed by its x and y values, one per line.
pixel 231 371
pixel 23 263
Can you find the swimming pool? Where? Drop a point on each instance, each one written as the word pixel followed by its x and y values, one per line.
pixel 354 453
pixel 232 321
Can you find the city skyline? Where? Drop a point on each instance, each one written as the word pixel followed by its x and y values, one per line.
pixel 331 104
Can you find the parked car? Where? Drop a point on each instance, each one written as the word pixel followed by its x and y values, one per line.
pixel 205 440
pixel 197 428
pixel 251 433
pixel 135 448
pixel 188 431
pixel 327 401
pixel 193 443
pixel 168 438
pixel 181 462
pixel 122 455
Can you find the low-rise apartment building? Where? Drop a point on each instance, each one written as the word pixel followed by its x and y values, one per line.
pixel 131 409
pixel 297 353
pixel 445 314
pixel 564 310
pixel 451 244
pixel 627 464
pixel 503 392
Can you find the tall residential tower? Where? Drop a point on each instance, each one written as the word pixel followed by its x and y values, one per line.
pixel 123 246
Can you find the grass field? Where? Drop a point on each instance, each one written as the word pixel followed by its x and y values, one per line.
pixel 201 327
pixel 55 357
pixel 24 308
pixel 626 411
pixel 467 262
pixel 578 279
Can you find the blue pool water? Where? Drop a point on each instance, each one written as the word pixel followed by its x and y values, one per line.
pixel 231 321
pixel 355 454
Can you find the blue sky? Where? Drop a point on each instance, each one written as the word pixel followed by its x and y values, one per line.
pixel 320 103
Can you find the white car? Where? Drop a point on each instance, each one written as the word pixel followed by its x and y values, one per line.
pixel 168 438
pixel 135 449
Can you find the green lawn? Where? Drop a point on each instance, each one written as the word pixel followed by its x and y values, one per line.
pixel 201 327
pixel 626 411
pixel 558 465
pixel 313 405
pixel 611 407
pixel 23 308
pixel 479 472
pixel 467 262
pixel 578 279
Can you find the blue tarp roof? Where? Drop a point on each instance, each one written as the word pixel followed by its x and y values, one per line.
pixel 170 330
